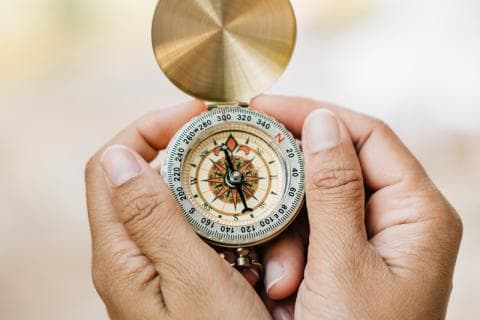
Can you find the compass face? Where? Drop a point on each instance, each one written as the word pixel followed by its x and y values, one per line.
pixel 237 174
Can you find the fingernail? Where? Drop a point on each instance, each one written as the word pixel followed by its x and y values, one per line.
pixel 282 313
pixel 322 131
pixel 120 164
pixel 274 273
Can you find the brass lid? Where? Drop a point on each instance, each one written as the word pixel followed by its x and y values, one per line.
pixel 223 50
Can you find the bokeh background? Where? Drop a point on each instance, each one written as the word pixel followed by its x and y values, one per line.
pixel 73 72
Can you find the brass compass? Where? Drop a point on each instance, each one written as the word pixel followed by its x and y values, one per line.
pixel 237 173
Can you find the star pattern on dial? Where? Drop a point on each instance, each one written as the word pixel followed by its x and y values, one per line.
pixel 233 174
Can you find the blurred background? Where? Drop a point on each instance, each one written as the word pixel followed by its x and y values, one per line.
pixel 74 72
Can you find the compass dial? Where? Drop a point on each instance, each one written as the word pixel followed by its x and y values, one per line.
pixel 237 174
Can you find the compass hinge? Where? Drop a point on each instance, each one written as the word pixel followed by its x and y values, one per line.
pixel 216 105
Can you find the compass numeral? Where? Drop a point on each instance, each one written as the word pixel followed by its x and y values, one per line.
pixel 292 192
pixel 193 181
pixel 295 173
pixel 273 178
pixel 263 123
pixel 290 153
pixel 207 207
pixel 280 138
pixel 224 117
pixel 204 154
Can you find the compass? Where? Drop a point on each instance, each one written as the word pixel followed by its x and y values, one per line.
pixel 237 174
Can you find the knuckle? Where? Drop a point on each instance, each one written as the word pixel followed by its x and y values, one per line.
pixel 99 280
pixel 140 208
pixel 337 181
pixel 310 296
pixel 130 265
pixel 455 224
pixel 147 211
pixel 90 167
pixel 378 124
pixel 448 218
pixel 380 127
pixel 119 264
pixel 147 122
pixel 458 224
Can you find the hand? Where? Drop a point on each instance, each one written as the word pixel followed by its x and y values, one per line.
pixel 383 240
pixel 148 263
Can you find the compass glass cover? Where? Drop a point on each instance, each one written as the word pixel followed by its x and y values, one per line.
pixel 237 174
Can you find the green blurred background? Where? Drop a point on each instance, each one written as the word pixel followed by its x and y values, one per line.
pixel 73 72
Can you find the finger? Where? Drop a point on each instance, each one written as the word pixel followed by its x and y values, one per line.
pixel 154 130
pixel 334 190
pixel 383 157
pixel 252 276
pixel 281 310
pixel 146 136
pixel 146 208
pixel 115 255
pixel 284 264
pixel 153 220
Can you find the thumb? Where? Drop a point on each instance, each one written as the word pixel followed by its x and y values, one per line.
pixel 334 190
pixel 146 207
pixel 154 221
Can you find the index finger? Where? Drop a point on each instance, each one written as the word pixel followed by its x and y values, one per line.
pixel 154 130
pixel 385 160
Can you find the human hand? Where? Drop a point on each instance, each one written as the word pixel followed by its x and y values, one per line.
pixel 383 240
pixel 148 263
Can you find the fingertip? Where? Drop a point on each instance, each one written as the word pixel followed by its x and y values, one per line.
pixel 321 131
pixel 120 164
pixel 284 264
pixel 282 313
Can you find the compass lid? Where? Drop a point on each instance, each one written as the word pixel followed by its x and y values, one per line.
pixel 223 50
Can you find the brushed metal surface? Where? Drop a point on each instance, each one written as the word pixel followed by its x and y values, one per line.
pixel 223 50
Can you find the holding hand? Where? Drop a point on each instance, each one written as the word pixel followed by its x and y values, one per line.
pixel 387 254
pixel 148 263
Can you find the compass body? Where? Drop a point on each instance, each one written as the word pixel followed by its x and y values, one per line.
pixel 237 174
